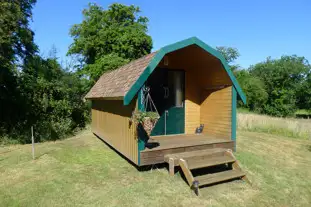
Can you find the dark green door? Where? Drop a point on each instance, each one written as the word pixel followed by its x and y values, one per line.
pixel 167 91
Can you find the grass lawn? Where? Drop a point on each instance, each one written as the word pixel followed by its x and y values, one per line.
pixel 83 171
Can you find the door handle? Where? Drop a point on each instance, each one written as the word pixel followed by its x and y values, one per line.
pixel 166 112
pixel 166 92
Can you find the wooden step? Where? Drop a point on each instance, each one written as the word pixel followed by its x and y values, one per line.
pixel 194 155
pixel 219 177
pixel 213 161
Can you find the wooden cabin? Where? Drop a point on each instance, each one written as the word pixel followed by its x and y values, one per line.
pixel 191 85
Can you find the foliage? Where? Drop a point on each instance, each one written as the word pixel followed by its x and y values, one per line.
pixel 16 38
pixel 254 90
pixel 16 46
pixel 283 79
pixel 103 64
pixel 51 101
pixel 304 94
pixel 230 54
pixel 39 92
pixel 140 116
pixel 107 39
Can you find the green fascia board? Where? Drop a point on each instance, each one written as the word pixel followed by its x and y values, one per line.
pixel 176 46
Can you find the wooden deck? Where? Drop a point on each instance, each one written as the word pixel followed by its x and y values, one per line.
pixel 163 145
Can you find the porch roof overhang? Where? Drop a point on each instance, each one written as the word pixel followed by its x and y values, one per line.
pixel 133 90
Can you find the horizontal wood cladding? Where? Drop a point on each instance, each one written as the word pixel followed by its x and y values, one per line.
pixel 111 122
pixel 216 112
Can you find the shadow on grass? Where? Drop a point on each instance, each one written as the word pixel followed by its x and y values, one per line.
pixel 303 116
pixel 309 148
pixel 139 168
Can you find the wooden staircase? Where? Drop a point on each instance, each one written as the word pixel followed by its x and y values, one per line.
pixel 194 160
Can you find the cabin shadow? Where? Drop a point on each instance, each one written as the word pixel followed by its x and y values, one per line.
pixel 143 136
pixel 303 116
pixel 121 155
pixel 139 168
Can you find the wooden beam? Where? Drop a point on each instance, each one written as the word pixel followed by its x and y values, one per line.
pixel 186 171
pixel 216 87
pixel 171 166
pixel 236 165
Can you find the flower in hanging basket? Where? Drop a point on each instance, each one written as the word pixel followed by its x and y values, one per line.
pixel 147 119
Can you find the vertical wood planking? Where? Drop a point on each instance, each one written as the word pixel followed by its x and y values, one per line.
pixel 111 122
pixel 192 103
pixel 216 112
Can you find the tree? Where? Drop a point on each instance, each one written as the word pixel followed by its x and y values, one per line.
pixel 304 94
pixel 230 54
pixel 107 39
pixel 254 90
pixel 53 100
pixel 16 46
pixel 34 91
pixel 283 79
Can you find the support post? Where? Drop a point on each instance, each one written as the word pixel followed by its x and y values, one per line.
pixel 236 166
pixel 171 166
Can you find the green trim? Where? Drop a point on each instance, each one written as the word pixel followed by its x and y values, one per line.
pixel 140 103
pixel 141 146
pixel 141 141
pixel 233 116
pixel 176 46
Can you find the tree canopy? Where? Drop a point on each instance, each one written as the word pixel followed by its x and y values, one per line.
pixel 283 79
pixel 254 89
pixel 16 46
pixel 34 90
pixel 107 39
pixel 230 54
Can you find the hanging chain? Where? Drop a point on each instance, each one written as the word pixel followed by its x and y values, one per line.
pixel 148 100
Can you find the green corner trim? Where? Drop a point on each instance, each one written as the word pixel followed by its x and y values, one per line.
pixel 140 103
pixel 176 46
pixel 141 107
pixel 233 116
pixel 141 146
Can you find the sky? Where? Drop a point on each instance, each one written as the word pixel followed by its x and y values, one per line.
pixel 258 28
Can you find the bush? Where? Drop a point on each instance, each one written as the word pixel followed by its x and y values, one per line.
pixel 50 100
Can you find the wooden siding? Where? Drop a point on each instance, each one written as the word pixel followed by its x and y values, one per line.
pixel 216 112
pixel 192 104
pixel 111 122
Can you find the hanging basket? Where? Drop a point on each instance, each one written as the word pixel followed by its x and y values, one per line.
pixel 148 120
pixel 149 123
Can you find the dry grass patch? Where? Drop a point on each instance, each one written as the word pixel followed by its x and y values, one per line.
pixel 290 127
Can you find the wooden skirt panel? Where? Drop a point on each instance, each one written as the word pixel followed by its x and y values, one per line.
pixel 157 156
